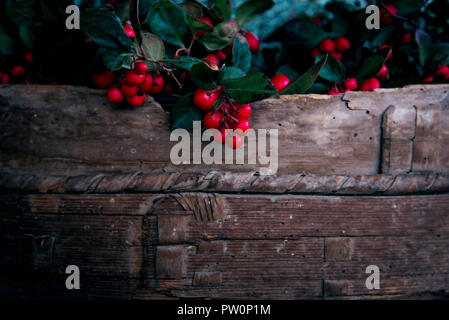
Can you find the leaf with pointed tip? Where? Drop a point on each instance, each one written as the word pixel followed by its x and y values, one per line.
pixel 184 113
pixel 253 87
pixel 241 54
pixel 306 80
pixel 103 27
pixel 185 62
pixel 167 20
pixel 203 76
pixel 222 35
pixel 230 73
pixel 369 68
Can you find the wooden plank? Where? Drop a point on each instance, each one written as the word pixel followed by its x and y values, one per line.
pixel 291 217
pixel 91 204
pixel 85 134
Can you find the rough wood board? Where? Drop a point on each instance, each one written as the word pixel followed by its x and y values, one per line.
pixel 74 131
pixel 259 246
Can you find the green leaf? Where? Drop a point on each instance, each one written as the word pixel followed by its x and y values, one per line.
pixel 5 42
pixel 26 34
pixel 306 80
pixel 230 73
pixel 134 17
pixel 198 25
pixel 253 87
pixel 183 62
pixel 241 54
pixel 251 9
pixel 21 11
pixel 369 68
pixel 288 71
pixel 339 26
pixel 115 60
pixel 153 46
pixel 222 35
pixel 203 76
pixel 383 37
pixel 318 88
pixel 304 32
pixel 192 9
pixel 333 70
pixel 184 113
pixel 103 27
pixel 425 45
pixel 222 8
pixel 168 21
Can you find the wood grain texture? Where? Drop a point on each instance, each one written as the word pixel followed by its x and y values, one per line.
pixel 257 247
pixel 73 131
pixel 363 180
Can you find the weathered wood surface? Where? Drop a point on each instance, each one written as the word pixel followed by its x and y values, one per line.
pixel 74 131
pixel 249 246
pixel 363 180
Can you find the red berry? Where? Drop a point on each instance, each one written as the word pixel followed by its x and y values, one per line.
pixel 385 16
pixel 220 55
pixel 212 59
pixel 386 47
pixel 129 90
pixel 253 41
pixel 28 57
pixel 134 78
pixel 115 95
pixel 208 21
pixel 205 99
pixel 351 83
pixel 158 84
pixel 234 141
pixel 141 67
pixel 383 73
pixel 327 45
pixel 337 55
pixel 220 136
pixel 17 71
pixel 243 125
pixel 315 53
pixel 5 78
pixel 333 92
pixel 428 79
pixel 443 71
pixel 168 88
pixel 406 38
pixel 136 101
pixel 148 83
pixel 280 81
pixel 129 31
pixel 211 120
pixel 370 85
pixel 342 44
pixel 103 80
pixel 244 111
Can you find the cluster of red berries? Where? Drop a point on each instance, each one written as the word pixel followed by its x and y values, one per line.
pixel 335 47
pixel 369 85
pixel 134 86
pixel 17 71
pixel 229 115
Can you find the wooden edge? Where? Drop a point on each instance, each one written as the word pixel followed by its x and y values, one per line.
pixel 227 182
